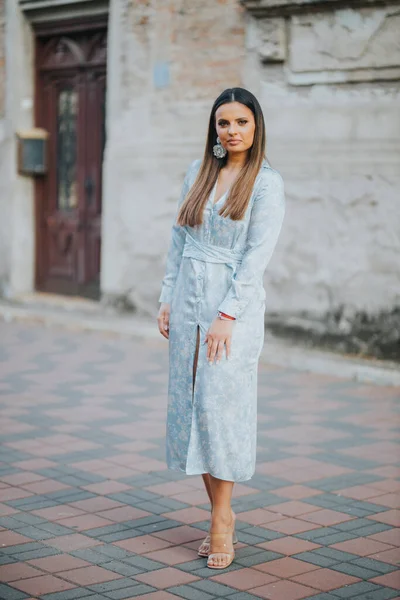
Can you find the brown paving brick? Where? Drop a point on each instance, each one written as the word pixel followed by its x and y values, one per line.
pixel 291 526
pixel 21 478
pixel 327 517
pixel 5 510
pixel 45 487
pixel 325 579
pixel 188 515
pixel 39 586
pixel 17 571
pixel 55 513
pixel 173 556
pixel 12 493
pixel 390 517
pixel 107 487
pixel 168 577
pixel 292 508
pixel 11 538
pixel 362 546
pixel 387 485
pixel 123 513
pixel 96 504
pixel 289 545
pixel 194 497
pixel 116 472
pixel 143 544
pixel 390 556
pixel 58 563
pixel 84 522
pixel 286 567
pixel 259 516
pixel 391 580
pixel 180 535
pixel 75 541
pixel 90 575
pixel 390 500
pixel 296 492
pixel 283 590
pixel 390 536
pixel 387 471
pixel 244 579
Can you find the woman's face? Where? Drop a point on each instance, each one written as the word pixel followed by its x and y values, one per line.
pixel 235 127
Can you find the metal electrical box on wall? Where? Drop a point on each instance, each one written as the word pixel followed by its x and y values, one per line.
pixel 32 150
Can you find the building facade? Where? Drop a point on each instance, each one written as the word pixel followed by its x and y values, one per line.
pixel 124 89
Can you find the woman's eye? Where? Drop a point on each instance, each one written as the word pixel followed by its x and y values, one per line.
pixel 242 122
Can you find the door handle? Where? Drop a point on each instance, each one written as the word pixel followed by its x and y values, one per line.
pixel 89 189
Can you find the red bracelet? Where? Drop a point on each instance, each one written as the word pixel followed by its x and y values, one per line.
pixel 227 316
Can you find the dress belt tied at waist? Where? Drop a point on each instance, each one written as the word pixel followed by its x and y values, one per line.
pixel 210 253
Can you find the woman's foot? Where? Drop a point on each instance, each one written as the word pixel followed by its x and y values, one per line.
pixel 222 552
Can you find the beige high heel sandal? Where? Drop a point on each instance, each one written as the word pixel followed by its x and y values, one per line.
pixel 207 540
pixel 230 555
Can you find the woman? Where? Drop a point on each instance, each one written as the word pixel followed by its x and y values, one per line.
pixel 228 221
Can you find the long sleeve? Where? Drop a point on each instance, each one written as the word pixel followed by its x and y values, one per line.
pixel 177 242
pixel 265 224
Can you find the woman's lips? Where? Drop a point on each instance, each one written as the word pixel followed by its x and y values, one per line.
pixel 234 142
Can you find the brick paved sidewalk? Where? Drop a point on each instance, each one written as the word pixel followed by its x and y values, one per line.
pixel 89 510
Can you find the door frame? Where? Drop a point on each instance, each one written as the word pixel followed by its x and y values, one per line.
pixel 48 28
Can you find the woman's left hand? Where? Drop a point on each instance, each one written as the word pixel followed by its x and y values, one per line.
pixel 218 336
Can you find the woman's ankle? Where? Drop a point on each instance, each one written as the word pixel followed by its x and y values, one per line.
pixel 222 516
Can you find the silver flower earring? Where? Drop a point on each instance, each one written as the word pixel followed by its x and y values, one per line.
pixel 218 150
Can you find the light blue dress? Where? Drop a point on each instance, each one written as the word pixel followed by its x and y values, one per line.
pixel 218 265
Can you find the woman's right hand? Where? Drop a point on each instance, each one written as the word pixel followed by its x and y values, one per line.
pixel 163 319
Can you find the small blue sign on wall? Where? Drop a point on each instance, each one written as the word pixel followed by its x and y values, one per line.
pixel 161 76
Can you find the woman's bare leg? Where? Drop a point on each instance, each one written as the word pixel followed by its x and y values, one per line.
pixel 221 519
pixel 205 545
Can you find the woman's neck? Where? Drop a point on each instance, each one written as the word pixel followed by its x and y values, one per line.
pixel 236 161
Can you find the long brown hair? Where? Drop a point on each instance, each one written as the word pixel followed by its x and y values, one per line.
pixel 191 211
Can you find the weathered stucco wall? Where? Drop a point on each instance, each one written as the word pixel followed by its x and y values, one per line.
pixel 332 103
pixel 17 225
pixel 167 63
pixel 329 85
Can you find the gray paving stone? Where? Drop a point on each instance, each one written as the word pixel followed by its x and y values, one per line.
pixel 315 559
pixel 335 538
pixel 18 548
pixel 9 593
pixel 192 565
pixel 322 596
pixel 243 596
pixel 130 592
pixel 374 565
pixel 96 558
pixel 35 533
pixel 143 563
pixel 337 555
pixel 260 532
pixel 7 560
pixel 40 553
pixel 313 534
pixel 122 568
pixel 371 529
pixel 257 559
pixel 189 593
pixel 356 589
pixel 126 534
pixel 213 588
pixel 355 570
pixel 114 551
pixel 109 586
pixel 29 519
pixel 382 594
pixel 160 526
pixel 73 594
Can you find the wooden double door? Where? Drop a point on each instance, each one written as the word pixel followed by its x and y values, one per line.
pixel 70 105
